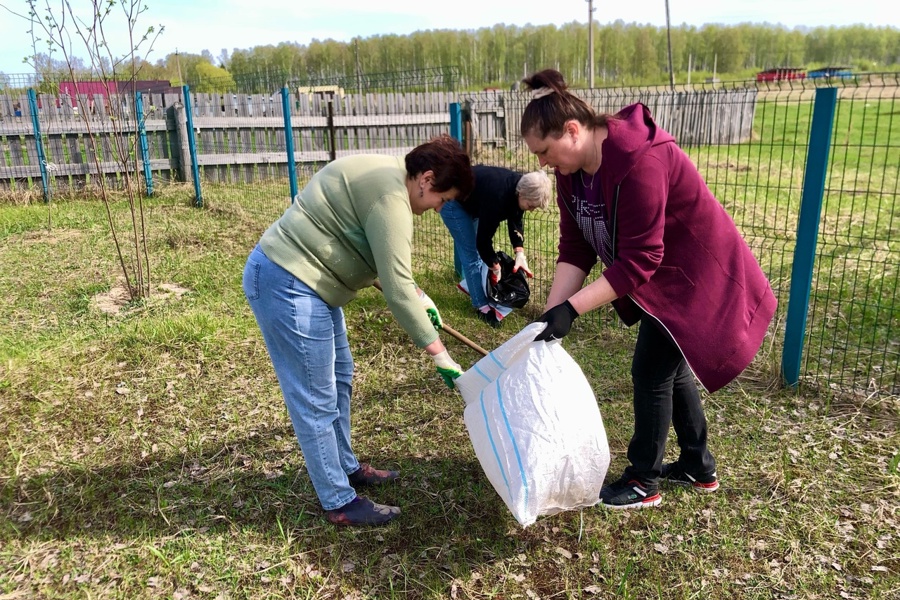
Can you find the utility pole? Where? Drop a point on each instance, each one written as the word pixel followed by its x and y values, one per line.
pixel 669 36
pixel 358 70
pixel 178 64
pixel 591 10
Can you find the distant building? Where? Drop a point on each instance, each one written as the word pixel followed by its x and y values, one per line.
pixel 105 88
pixel 325 91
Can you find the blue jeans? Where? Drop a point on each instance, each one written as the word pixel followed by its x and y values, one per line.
pixel 462 228
pixel 307 342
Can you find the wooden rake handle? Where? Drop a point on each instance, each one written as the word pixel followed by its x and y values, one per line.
pixel 452 332
pixel 464 340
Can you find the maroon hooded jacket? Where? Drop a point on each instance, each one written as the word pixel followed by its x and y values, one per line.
pixel 677 254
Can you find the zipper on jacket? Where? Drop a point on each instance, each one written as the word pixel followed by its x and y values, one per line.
pixel 638 304
pixel 671 337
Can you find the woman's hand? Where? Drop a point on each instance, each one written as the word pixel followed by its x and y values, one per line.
pixel 447 368
pixel 559 321
pixel 495 273
pixel 522 263
pixel 432 310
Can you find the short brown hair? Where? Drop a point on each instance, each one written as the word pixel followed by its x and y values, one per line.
pixel 549 111
pixel 445 157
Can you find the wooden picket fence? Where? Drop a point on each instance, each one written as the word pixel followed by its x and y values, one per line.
pixel 241 138
pixel 694 117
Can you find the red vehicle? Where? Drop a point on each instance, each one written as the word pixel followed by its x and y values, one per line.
pixel 781 74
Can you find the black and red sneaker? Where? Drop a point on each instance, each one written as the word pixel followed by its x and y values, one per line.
pixel 366 474
pixel 490 317
pixel 702 483
pixel 362 511
pixel 629 493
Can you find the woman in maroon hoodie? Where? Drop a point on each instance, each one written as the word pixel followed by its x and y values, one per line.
pixel 673 261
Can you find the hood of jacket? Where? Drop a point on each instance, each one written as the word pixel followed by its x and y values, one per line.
pixel 632 133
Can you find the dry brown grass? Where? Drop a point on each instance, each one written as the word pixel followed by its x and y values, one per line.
pixel 149 455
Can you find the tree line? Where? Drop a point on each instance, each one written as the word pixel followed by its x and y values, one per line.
pixel 499 56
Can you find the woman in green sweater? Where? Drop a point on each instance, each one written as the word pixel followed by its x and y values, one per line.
pixel 350 224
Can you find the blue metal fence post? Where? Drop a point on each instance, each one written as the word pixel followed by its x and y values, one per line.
pixel 39 143
pixel 456 128
pixel 807 232
pixel 192 144
pixel 456 132
pixel 289 140
pixel 142 138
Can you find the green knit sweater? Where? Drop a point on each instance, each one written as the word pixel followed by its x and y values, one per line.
pixel 350 224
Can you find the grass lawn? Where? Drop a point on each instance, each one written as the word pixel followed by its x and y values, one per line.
pixel 148 454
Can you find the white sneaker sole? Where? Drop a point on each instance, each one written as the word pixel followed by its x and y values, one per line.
pixel 649 503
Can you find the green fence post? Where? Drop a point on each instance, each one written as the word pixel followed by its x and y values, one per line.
pixel 289 141
pixel 456 128
pixel 142 136
pixel 39 143
pixel 192 144
pixel 807 232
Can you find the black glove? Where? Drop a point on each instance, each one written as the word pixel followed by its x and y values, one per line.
pixel 559 321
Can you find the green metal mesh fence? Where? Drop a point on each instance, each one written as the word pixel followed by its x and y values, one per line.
pixel 748 140
pixel 854 332
pixel 750 143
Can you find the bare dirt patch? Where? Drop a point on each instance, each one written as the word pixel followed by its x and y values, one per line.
pixel 117 300
pixel 51 236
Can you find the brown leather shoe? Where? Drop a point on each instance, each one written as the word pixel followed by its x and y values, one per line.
pixel 366 474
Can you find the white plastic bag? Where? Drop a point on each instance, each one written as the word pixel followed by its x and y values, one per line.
pixel 535 427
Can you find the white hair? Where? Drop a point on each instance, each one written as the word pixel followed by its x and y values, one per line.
pixel 534 189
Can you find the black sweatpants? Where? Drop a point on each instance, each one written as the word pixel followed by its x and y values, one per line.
pixel 664 393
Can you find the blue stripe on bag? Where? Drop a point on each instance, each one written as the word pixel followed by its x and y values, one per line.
pixel 487 428
pixel 515 445
pixel 480 372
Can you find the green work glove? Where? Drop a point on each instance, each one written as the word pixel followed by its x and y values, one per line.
pixel 431 309
pixel 447 368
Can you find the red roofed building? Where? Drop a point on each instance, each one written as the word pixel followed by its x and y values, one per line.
pixel 105 88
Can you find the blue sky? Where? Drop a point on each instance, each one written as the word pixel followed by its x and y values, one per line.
pixel 196 25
